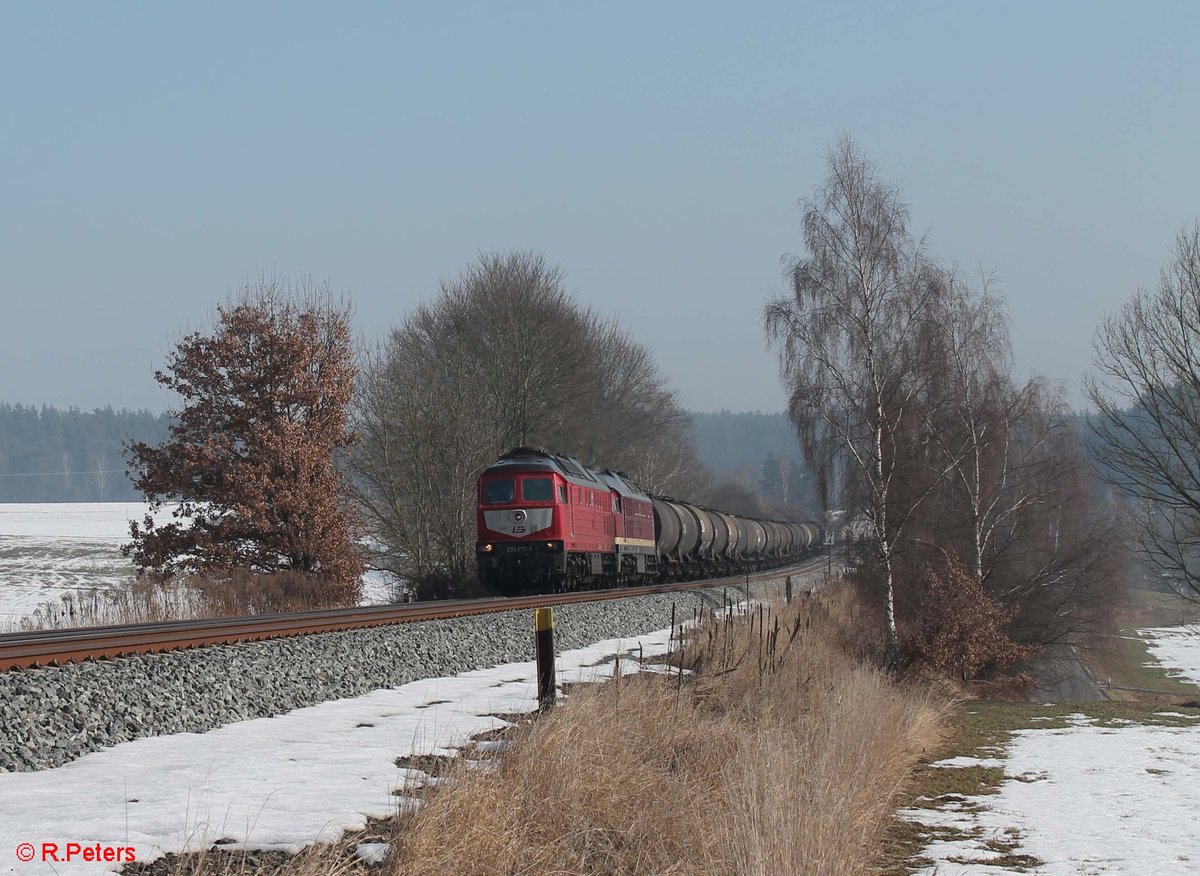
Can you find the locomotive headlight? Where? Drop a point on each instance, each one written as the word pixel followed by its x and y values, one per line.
pixel 487 548
pixel 550 545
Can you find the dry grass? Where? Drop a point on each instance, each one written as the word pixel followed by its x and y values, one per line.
pixel 780 755
pixel 144 600
pixel 780 750
pixel 132 601
pixel 319 860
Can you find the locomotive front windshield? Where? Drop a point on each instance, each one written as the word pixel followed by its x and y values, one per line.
pixel 537 490
pixel 498 491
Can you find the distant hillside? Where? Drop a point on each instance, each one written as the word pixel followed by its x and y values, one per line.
pixel 757 462
pixel 728 440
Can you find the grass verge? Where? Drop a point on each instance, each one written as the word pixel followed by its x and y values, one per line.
pixel 778 749
pixel 774 754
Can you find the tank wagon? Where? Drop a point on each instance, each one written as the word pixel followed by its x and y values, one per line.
pixel 548 523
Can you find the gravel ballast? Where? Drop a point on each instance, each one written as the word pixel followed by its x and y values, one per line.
pixel 51 716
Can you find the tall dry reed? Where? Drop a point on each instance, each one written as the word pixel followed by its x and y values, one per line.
pixel 145 600
pixel 778 753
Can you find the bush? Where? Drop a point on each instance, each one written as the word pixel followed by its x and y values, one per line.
pixel 958 629
pixel 243 592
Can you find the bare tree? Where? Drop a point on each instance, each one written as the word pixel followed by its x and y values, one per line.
pixel 99 465
pixel 996 437
pixel 849 339
pixel 503 357
pixel 512 319
pixel 636 424
pixel 1066 569
pixel 420 442
pixel 1019 508
pixel 666 465
pixel 1147 396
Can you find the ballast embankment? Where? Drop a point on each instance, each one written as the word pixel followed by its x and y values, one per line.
pixel 52 715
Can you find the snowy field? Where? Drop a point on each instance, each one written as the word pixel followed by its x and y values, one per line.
pixel 48 550
pixel 275 783
pixel 1091 798
pixel 52 549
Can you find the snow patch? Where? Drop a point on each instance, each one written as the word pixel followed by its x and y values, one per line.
pixel 284 782
pixel 1086 799
pixel 372 854
pixel 49 550
pixel 1177 648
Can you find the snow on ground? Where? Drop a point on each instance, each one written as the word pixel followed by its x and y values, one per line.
pixel 379 587
pixel 1085 800
pixel 49 550
pixel 1177 648
pixel 1089 798
pixel 279 782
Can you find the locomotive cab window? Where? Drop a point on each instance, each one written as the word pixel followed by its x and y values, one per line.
pixel 498 491
pixel 562 493
pixel 537 490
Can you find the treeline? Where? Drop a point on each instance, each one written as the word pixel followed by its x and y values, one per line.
pixel 755 465
pixel 734 440
pixel 52 455
pixel 49 454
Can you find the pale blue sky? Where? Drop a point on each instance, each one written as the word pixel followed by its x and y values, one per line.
pixel 152 156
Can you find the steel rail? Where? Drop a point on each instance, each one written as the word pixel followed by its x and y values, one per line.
pixel 28 650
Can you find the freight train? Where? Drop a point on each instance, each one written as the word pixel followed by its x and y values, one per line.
pixel 548 523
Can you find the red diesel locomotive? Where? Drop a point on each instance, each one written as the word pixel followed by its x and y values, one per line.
pixel 548 523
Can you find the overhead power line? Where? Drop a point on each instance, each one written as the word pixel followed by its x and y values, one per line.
pixel 47 474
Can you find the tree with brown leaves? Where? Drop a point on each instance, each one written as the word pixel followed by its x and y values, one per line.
pixel 250 456
pixel 960 630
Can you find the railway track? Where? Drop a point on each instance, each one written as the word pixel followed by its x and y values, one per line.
pixel 55 647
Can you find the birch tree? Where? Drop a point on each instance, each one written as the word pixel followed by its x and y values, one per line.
pixel 995 436
pixel 848 339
